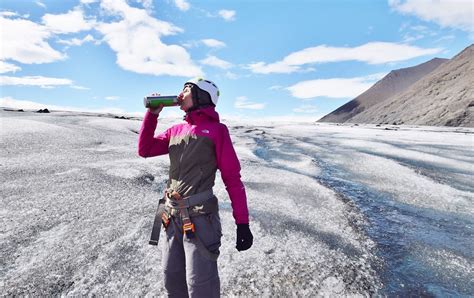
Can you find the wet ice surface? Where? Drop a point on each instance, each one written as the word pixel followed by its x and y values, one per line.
pixel 335 210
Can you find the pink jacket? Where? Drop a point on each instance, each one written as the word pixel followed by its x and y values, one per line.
pixel 197 148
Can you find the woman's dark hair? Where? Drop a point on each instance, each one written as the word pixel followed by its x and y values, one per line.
pixel 201 98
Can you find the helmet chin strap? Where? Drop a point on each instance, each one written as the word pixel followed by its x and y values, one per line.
pixel 194 95
pixel 195 106
pixel 199 102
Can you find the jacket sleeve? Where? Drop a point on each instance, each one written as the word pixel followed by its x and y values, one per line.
pixel 229 166
pixel 148 144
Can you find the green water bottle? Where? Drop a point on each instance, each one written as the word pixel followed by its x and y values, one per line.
pixel 165 100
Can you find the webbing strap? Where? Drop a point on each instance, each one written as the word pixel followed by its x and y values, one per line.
pixel 188 226
pixel 175 201
pixel 155 231
pixel 189 201
pixel 183 205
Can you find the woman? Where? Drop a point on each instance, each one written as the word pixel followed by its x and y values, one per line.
pixel 197 148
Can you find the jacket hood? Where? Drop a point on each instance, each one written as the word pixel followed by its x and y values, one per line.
pixel 202 115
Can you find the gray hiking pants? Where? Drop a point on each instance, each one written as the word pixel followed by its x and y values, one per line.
pixel 188 272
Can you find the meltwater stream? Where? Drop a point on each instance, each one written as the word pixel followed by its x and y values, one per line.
pixel 425 251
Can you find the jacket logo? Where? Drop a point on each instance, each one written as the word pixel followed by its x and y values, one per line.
pixel 205 131
pixel 198 208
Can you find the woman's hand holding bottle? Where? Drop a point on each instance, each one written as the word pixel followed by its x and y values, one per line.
pixel 155 110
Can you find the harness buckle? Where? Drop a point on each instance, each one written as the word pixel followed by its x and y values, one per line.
pixel 175 195
pixel 188 229
pixel 165 219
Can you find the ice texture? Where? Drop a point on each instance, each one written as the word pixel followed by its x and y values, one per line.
pixel 336 210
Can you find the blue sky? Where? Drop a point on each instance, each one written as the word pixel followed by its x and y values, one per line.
pixel 270 59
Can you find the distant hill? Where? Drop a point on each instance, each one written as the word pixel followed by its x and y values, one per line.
pixel 393 83
pixel 444 97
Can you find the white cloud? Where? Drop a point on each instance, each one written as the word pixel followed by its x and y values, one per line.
pixel 79 87
pixel 412 37
pixel 230 75
pixel 445 38
pixel 182 5
pixel 26 42
pixel 420 28
pixel 77 41
pixel 277 67
pixel 147 4
pixel 417 32
pixel 41 4
pixel 70 22
pixel 12 103
pixel 213 43
pixel 136 41
pixel 214 61
pixel 242 102
pixel 265 120
pixel 8 67
pixel 447 13
pixel 88 1
pixel 370 29
pixel 372 53
pixel 228 15
pixel 8 14
pixel 40 81
pixel 306 109
pixel 334 88
pixel 9 102
pixel 112 98
pixel 276 87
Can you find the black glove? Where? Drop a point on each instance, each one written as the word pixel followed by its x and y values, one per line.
pixel 244 237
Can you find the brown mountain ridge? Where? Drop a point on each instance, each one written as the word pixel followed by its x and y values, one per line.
pixel 439 92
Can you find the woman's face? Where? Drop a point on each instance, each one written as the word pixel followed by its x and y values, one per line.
pixel 185 98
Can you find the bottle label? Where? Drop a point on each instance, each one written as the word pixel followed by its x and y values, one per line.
pixel 156 101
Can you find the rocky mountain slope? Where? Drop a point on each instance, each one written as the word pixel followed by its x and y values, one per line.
pixel 443 97
pixel 393 83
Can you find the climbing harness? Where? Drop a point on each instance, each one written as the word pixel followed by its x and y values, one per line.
pixel 174 205
pixel 155 232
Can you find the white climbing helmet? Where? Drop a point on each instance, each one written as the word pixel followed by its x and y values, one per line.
pixel 207 86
